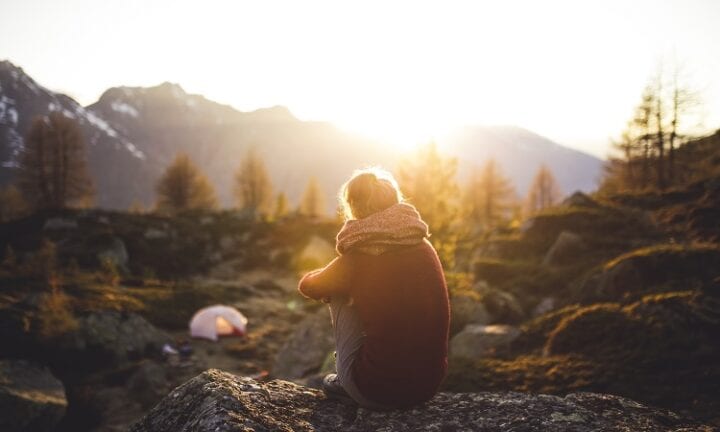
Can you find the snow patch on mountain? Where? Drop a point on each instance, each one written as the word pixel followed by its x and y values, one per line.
pixel 8 113
pixel 124 108
pixel 102 124
pixel 134 150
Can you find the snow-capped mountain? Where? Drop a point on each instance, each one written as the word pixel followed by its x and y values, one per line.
pixel 112 158
pixel 133 133
pixel 164 120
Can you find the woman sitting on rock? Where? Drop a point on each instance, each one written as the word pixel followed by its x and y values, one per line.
pixel 388 299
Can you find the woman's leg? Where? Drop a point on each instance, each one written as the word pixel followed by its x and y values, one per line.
pixel 349 335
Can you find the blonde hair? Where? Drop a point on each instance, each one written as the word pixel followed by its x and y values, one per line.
pixel 368 191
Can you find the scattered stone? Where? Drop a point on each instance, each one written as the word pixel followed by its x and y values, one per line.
pixel 477 341
pixel 154 234
pixel 31 398
pixel 218 401
pixel 306 349
pixel 60 224
pixel 567 246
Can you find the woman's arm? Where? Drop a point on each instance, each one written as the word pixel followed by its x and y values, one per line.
pixel 329 281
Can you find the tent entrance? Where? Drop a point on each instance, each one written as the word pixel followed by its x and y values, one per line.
pixel 223 326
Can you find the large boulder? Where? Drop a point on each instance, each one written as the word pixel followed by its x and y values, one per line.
pixel 218 401
pixel 467 309
pixel 307 348
pixel 31 398
pixel 502 306
pixel 110 338
pixel 567 247
pixel 479 341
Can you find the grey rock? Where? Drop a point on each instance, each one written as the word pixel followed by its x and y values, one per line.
pixel 503 306
pixel 121 337
pixel 220 402
pixel 478 341
pixel 567 246
pixel 148 384
pixel 115 252
pixel 306 349
pixel 31 398
pixel 466 310
pixel 60 224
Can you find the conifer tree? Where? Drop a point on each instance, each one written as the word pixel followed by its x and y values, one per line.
pixel 282 206
pixel 53 172
pixel 544 192
pixel 183 187
pixel 12 203
pixel 428 180
pixel 313 199
pixel 253 189
pixel 489 196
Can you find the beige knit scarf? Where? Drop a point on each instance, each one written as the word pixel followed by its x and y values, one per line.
pixel 396 226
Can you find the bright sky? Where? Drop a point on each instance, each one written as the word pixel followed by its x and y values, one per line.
pixel 569 70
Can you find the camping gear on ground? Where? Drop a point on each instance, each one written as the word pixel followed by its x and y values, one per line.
pixel 168 350
pixel 219 320
pixel 185 349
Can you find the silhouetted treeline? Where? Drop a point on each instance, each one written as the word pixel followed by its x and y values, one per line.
pixel 647 149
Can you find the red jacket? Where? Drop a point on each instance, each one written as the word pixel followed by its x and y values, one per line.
pixel 402 300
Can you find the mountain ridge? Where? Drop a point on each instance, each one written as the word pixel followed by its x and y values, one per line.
pixel 133 133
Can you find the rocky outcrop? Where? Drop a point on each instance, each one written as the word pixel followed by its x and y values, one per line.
pixel 306 349
pixel 217 401
pixel 31 399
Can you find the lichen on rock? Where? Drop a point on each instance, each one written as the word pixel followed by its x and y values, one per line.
pixel 218 401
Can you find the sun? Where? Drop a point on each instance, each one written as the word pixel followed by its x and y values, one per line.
pixel 402 134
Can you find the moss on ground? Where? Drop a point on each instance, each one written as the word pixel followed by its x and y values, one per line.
pixel 661 349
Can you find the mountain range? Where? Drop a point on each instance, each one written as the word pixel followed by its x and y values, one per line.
pixel 133 133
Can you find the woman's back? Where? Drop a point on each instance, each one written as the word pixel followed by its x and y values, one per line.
pixel 401 299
